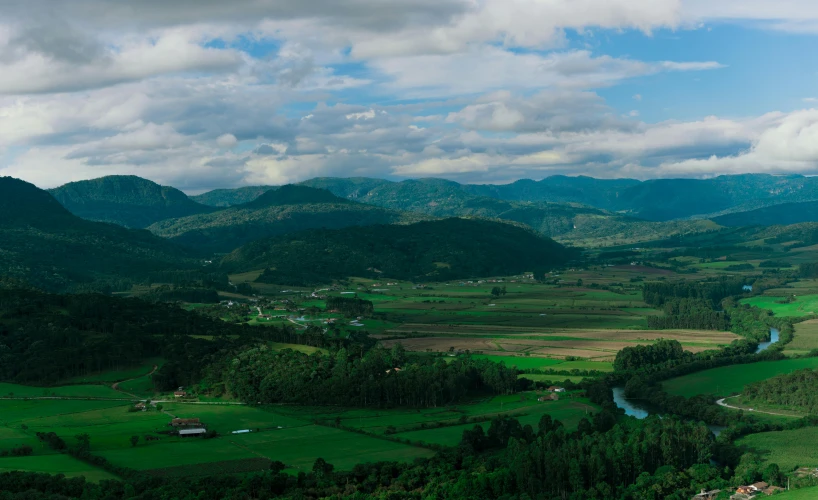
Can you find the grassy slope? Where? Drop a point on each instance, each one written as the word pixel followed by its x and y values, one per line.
pixel 732 379
pixel 786 448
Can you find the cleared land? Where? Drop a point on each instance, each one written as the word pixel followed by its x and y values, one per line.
pixel 786 448
pixel 806 338
pixel 67 391
pixel 802 305
pixel 728 380
pixel 54 464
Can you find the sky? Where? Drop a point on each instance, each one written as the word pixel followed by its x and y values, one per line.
pixel 205 94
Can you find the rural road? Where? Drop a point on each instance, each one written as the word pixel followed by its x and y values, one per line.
pixel 721 402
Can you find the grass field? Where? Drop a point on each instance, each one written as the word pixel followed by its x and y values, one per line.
pixel 67 391
pixel 569 412
pixel 54 464
pixel 804 305
pixel 810 493
pixel 786 448
pixel 805 339
pixel 728 380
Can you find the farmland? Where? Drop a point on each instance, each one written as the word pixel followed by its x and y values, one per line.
pixel 797 306
pixel 728 380
pixel 805 339
pixel 786 448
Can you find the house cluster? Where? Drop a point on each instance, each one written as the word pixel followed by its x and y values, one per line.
pixel 180 393
pixel 188 427
pixel 754 490
pixel 553 394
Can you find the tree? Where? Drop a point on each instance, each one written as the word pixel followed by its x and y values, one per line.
pixel 134 440
pixel 496 291
pixel 159 407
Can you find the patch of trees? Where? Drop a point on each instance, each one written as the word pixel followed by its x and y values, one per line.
pixel 351 306
pixel 713 292
pixel 808 270
pixel 795 390
pixel 739 267
pixel 693 313
pixel 640 356
pixel 22 450
pixel 167 293
pixel 774 263
pixel 377 378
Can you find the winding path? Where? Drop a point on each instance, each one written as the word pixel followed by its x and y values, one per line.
pixel 115 385
pixel 721 402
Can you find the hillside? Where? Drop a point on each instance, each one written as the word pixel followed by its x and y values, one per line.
pixel 784 214
pixel 126 200
pixel 230 197
pixel 285 210
pixel 437 250
pixel 43 244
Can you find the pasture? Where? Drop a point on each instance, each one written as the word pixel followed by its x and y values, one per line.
pixel 54 464
pixel 728 380
pixel 112 376
pixel 786 448
pixel 801 305
pixel 66 391
pixel 805 338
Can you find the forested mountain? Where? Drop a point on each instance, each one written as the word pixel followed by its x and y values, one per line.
pixel 436 250
pixel 784 214
pixel 230 197
pixel 285 210
pixel 44 244
pixel 126 200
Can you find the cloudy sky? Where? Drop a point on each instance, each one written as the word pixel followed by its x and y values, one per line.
pixel 202 94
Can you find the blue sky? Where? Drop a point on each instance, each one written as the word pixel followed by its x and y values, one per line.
pixel 201 94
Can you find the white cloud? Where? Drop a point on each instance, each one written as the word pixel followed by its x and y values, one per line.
pixel 637 97
pixel 227 141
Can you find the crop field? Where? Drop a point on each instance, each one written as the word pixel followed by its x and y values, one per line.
pixel 786 448
pixel 526 346
pixel 803 305
pixel 731 379
pixel 805 339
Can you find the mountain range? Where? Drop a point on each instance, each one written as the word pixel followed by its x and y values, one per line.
pixel 44 244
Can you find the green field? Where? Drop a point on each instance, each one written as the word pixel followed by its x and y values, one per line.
pixel 786 448
pixel 569 412
pixel 805 339
pixel 803 305
pixel 54 464
pixel 728 380
pixel 810 493
pixel 522 363
pixel 66 391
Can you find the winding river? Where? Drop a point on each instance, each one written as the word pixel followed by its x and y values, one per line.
pixel 641 409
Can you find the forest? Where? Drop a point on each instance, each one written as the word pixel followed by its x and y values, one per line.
pixel 797 390
pixel 437 250
pixel 378 378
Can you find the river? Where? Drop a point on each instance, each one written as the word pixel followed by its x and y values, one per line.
pixel 641 409
pixel 773 339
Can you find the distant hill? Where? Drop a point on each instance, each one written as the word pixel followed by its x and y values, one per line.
pixel 126 200
pixel 230 197
pixel 285 210
pixel 783 214
pixel 293 195
pixel 434 250
pixel 45 245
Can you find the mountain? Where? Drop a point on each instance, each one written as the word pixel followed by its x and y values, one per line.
pixel 284 210
pixel 42 243
pixel 231 197
pixel 783 214
pixel 600 193
pixel 126 200
pixel 431 250
pixel 293 195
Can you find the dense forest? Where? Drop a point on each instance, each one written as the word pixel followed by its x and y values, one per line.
pixel 126 200
pixel 378 378
pixel 45 245
pixel 438 250
pixel 798 390
pixel 351 306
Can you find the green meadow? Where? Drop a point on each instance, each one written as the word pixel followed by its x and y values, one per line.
pixel 803 305
pixel 54 464
pixel 728 380
pixel 786 448
pixel 66 391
